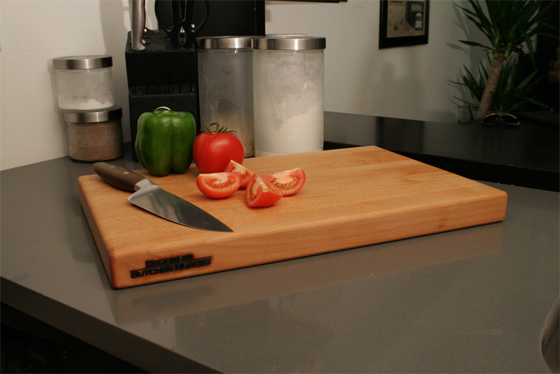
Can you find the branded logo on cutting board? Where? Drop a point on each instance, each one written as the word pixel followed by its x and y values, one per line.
pixel 167 265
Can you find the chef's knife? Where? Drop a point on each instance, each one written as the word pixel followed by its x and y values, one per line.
pixel 154 199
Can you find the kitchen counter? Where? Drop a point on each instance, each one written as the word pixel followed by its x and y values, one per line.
pixel 526 155
pixel 465 301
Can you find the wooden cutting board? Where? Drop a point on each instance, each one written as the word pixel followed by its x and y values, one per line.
pixel 352 197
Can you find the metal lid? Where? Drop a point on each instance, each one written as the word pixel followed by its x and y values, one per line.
pixel 289 43
pixel 225 42
pixel 82 62
pixel 92 116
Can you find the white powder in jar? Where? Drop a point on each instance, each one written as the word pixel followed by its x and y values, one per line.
pixel 85 89
pixel 288 102
pixel 297 134
pixel 76 104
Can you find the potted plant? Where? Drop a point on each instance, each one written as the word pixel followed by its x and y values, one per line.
pixel 508 25
pixel 510 92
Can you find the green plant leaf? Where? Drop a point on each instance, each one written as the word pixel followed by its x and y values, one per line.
pixel 509 94
pixel 475 44
pixel 509 26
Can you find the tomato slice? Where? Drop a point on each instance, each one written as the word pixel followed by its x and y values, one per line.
pixel 246 174
pixel 288 181
pixel 218 185
pixel 261 193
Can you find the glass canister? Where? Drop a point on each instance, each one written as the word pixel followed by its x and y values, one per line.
pixel 94 135
pixel 84 82
pixel 288 80
pixel 225 85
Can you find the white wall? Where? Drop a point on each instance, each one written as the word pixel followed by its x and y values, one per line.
pixel 407 82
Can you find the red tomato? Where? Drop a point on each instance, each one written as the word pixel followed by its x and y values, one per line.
pixel 246 174
pixel 289 181
pixel 218 185
pixel 213 150
pixel 261 193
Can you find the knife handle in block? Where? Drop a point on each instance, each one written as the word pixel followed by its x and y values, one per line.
pixel 117 176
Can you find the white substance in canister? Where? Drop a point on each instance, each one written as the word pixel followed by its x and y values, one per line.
pixel 296 134
pixel 84 82
pixel 288 97
pixel 68 103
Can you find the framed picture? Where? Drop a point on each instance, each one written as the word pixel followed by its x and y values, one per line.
pixel 403 23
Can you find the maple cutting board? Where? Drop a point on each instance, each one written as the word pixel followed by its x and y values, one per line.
pixel 352 197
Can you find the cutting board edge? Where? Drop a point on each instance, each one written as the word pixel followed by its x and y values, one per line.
pixel 391 231
pixel 106 257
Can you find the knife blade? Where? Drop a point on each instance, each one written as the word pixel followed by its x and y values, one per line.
pixel 152 198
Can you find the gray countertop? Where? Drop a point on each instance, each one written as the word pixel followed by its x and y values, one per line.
pixel 471 300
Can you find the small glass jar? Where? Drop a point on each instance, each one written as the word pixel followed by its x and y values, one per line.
pixel 225 85
pixel 94 135
pixel 84 82
pixel 288 75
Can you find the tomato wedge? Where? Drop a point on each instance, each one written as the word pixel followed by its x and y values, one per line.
pixel 246 174
pixel 261 193
pixel 218 185
pixel 288 181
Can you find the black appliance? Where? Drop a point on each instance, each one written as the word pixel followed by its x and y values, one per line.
pixel 165 73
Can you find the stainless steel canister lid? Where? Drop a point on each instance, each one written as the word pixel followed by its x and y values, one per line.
pixel 79 116
pixel 225 42
pixel 82 62
pixel 289 43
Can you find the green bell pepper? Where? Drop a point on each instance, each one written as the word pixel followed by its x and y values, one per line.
pixel 164 141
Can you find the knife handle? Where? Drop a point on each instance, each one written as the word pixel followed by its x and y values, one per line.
pixel 117 176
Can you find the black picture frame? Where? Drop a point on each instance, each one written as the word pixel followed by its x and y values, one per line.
pixel 403 23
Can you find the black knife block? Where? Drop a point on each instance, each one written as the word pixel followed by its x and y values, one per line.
pixel 160 76
pixel 163 76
